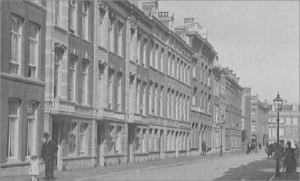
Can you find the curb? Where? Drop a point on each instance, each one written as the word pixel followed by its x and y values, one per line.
pixel 214 157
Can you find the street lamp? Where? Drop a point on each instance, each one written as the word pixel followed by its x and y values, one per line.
pixel 278 106
pixel 221 123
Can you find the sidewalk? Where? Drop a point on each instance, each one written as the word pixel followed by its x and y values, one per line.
pixel 122 168
pixel 284 176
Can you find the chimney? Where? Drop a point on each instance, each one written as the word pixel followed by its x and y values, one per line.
pixel 150 8
pixel 167 20
pixel 188 20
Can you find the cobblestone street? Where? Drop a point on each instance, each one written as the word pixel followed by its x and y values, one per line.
pixel 239 167
pixel 232 166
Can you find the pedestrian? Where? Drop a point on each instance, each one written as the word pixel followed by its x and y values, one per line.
pixel 34 168
pixel 259 145
pixel 289 161
pixel 248 147
pixel 48 152
pixel 203 146
pixel 297 156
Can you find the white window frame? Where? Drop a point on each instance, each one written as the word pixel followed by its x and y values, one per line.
pixel 85 82
pixel 73 16
pixel 83 139
pixel 16 45
pixel 119 91
pixel 111 32
pixel 34 47
pixel 15 142
pixel 72 73
pixel 120 39
pixel 85 20
pixel 31 118
pixel 110 83
pixel 102 30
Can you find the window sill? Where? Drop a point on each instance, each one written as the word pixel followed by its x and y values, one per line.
pixel 102 48
pixel 141 154
pixel 88 41
pixel 84 157
pixel 61 29
pixel 73 34
pixel 14 163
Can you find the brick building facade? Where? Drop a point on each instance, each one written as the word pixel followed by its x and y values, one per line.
pixel 115 82
pixel 22 75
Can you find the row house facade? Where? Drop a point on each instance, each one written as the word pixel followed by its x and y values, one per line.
pixel 246 117
pixel 201 88
pixel 23 31
pixel 259 121
pixel 111 82
pixel 233 111
pixel 288 124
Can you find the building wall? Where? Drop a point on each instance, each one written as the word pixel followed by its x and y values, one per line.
pixel 246 113
pixel 19 86
pixel 288 125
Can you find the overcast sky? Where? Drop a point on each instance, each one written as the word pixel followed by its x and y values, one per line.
pixel 259 40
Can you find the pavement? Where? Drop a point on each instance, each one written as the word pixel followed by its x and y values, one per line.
pixel 231 166
pixel 124 168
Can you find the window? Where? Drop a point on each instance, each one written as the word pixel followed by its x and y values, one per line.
pixel 57 13
pixel 288 132
pixel 154 107
pixel 288 121
pixel 138 86
pixel 111 146
pixel 118 140
pixel 102 30
pixel 143 99
pixel 194 96
pixel 73 17
pixel 16 45
pixel 57 59
pixel 274 132
pixel 119 91
pixel 120 39
pixel 83 139
pixel 151 111
pixel 31 128
pixel 162 51
pixel 137 140
pixel 72 78
pixel 111 32
pixel 295 132
pixel 13 128
pixel 72 138
pixel 161 100
pixel 110 88
pixel 169 63
pixel 131 40
pixel 152 59
pixel 84 81
pixel 144 58
pixel 295 121
pixel 281 132
pixel 85 21
pixel 33 51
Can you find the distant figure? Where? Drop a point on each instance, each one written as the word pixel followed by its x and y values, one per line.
pixel 249 145
pixel 289 161
pixel 259 145
pixel 203 146
pixel 49 149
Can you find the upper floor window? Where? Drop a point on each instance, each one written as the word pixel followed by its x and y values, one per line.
pixel 110 89
pixel 102 30
pixel 120 39
pixel 13 128
pixel 16 45
pixel 84 82
pixel 72 77
pixel 73 17
pixel 119 91
pixel 85 20
pixel 33 51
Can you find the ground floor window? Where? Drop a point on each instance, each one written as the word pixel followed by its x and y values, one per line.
pixel 72 139
pixel 83 139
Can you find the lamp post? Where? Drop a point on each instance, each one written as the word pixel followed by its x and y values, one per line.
pixel 278 106
pixel 221 123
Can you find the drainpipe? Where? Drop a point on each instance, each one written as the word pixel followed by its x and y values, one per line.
pixel 0 79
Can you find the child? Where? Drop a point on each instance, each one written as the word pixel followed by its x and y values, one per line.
pixel 34 167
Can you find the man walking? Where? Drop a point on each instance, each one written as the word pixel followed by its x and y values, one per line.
pixel 49 149
pixel 203 146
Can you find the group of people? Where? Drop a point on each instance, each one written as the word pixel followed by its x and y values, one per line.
pixel 251 146
pixel 290 155
pixel 48 152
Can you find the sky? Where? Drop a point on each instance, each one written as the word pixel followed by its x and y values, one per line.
pixel 258 40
